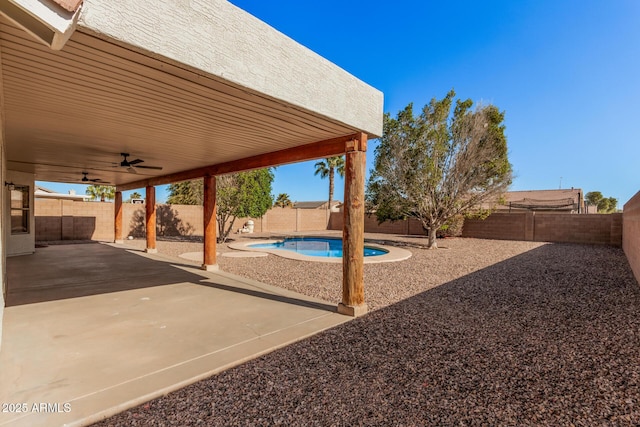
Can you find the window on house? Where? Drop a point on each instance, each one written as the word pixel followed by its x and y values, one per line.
pixel 20 209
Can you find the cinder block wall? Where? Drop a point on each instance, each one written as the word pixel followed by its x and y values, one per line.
pixel 279 220
pixel 415 227
pixel 548 227
pixel 69 220
pixel 631 233
pixel 501 226
pixel 404 227
pixel 593 228
pixel 541 227
pixel 312 219
pixel 171 220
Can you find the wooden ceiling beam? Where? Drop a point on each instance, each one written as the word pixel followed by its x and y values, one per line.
pixel 315 150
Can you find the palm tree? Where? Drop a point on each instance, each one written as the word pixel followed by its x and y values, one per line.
pixel 283 201
pixel 135 195
pixel 102 192
pixel 328 168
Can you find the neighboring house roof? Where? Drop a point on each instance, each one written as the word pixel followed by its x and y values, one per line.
pixel 45 193
pixel 314 204
pixel 564 193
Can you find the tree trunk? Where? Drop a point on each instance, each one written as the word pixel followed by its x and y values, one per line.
pixel 228 230
pixel 331 176
pixel 221 219
pixel 432 244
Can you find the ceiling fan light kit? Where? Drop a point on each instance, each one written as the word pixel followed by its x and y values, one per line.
pixel 85 179
pixel 131 165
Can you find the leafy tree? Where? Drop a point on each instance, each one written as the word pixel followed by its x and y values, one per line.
pixel 440 164
pixel 102 192
pixel 283 201
pixel 327 168
pixel 245 194
pixel 134 195
pixel 186 193
pixel 593 197
pixel 604 204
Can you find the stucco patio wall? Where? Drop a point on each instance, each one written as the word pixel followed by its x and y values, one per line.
pixel 631 233
pixel 74 220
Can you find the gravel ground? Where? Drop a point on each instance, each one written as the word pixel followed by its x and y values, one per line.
pixel 480 333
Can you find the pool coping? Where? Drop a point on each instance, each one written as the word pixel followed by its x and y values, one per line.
pixel 393 254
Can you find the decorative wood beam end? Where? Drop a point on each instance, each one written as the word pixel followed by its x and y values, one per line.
pixel 357 143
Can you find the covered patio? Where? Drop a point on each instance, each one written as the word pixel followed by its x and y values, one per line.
pixel 134 95
pixel 215 92
pixel 100 340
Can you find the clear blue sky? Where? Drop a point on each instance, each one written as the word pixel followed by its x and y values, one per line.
pixel 567 73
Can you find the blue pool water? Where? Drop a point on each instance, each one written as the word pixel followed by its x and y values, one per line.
pixel 315 246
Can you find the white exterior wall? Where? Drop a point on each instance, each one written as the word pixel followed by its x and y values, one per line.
pixel 20 244
pixel 220 39
pixel 3 208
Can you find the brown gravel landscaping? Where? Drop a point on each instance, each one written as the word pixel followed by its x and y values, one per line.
pixel 481 332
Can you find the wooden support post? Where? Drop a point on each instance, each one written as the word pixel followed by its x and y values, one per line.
pixel 150 205
pixel 209 214
pixel 353 231
pixel 117 223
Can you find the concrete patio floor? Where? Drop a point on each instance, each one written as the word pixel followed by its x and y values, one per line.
pixel 92 329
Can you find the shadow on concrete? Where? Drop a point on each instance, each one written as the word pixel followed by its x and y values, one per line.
pixel 272 297
pixel 65 227
pixel 69 271
pixel 548 337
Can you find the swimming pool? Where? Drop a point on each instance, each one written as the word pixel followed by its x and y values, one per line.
pixel 316 246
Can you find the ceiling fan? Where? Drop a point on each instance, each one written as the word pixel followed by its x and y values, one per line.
pixel 85 179
pixel 131 165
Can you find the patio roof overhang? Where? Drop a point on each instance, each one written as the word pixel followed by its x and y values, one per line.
pixel 194 91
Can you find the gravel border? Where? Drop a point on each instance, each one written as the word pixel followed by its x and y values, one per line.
pixel 481 333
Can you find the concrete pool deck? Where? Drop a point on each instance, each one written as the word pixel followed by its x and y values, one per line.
pixel 97 328
pixel 393 254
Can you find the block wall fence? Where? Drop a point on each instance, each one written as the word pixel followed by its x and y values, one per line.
pixel 631 233
pixel 540 227
pixel 410 227
pixel 548 227
pixel 74 220
pixel 69 220
pixel 58 220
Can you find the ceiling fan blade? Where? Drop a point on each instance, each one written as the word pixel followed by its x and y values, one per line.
pixel 135 162
pixel 131 169
pixel 150 167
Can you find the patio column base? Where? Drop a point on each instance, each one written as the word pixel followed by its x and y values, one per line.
pixel 119 241
pixel 352 310
pixel 151 251
pixel 210 267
